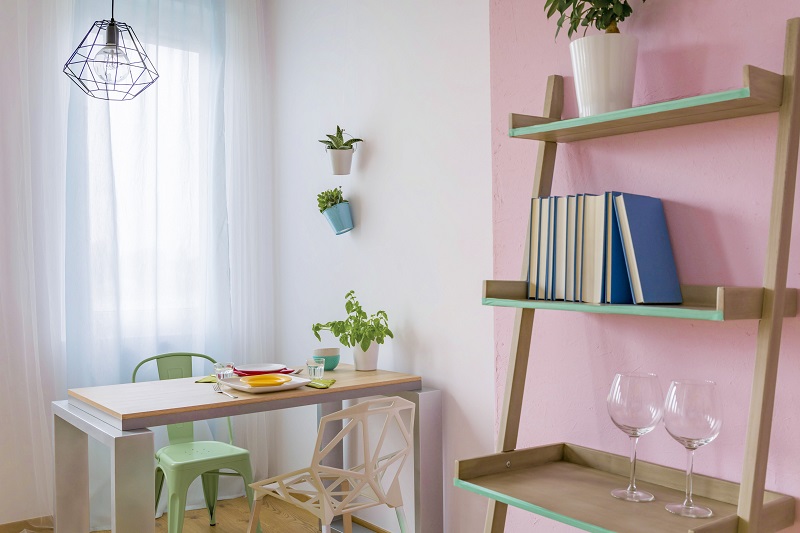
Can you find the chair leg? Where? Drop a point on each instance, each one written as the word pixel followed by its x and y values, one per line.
pixel 347 522
pixel 247 475
pixel 327 529
pixel 255 515
pixel 401 518
pixel 246 472
pixel 159 485
pixel 210 491
pixel 177 506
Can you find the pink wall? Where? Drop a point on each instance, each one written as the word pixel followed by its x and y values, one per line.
pixel 715 180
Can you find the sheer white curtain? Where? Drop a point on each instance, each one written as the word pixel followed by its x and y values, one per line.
pixel 248 160
pixel 135 228
pixel 146 233
pixel 33 99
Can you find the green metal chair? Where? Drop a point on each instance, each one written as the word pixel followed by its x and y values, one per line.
pixel 184 459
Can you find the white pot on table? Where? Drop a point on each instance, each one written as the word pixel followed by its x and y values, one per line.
pixel 366 360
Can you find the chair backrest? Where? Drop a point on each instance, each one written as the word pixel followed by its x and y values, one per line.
pixel 385 429
pixel 173 366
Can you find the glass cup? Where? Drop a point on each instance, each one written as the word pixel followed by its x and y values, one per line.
pixel 229 370
pixel 693 417
pixel 316 367
pixel 635 404
pixel 219 371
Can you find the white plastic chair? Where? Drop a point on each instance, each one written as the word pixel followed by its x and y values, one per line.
pixel 328 492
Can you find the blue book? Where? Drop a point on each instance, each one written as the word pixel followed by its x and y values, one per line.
pixel 617 284
pixel 559 248
pixel 548 242
pixel 569 282
pixel 579 212
pixel 648 251
pixel 594 233
pixel 544 221
pixel 535 289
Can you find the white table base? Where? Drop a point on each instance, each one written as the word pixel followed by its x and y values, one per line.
pixel 133 477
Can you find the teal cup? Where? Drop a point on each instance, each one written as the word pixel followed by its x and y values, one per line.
pixel 331 356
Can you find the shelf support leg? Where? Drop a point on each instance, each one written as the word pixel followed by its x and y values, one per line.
pixel 762 400
pixel 523 320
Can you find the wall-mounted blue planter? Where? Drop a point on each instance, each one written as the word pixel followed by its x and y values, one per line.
pixel 339 217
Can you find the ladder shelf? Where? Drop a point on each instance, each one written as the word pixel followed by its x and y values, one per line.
pixel 511 476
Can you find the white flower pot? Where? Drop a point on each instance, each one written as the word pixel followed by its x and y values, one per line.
pixel 341 160
pixel 605 69
pixel 366 360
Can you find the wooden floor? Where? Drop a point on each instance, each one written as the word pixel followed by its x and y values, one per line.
pixel 232 517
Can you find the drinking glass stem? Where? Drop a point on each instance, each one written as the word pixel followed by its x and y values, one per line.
pixel 689 467
pixel 632 482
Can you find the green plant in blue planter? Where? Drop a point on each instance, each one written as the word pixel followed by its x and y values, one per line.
pixel 330 198
pixel 336 209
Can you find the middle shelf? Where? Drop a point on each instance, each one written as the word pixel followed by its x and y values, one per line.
pixel 700 302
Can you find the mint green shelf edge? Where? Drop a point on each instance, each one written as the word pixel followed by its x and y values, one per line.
pixel 527 506
pixel 612 309
pixel 650 109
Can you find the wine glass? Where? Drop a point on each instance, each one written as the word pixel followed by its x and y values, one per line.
pixel 635 404
pixel 693 417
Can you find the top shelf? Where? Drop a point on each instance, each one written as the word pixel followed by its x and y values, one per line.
pixel 762 93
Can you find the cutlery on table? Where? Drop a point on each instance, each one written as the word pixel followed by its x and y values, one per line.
pixel 218 388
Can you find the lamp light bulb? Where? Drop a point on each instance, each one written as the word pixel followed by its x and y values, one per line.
pixel 111 64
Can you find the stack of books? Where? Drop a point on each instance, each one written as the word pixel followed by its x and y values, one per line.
pixel 608 248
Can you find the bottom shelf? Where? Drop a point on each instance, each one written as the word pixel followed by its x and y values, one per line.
pixel 572 484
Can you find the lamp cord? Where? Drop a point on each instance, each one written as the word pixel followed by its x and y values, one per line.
pixel 112 9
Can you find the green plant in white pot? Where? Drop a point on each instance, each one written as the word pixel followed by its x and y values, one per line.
pixel 341 151
pixel 361 331
pixel 604 65
pixel 336 209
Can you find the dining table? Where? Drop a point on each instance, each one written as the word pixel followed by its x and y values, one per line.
pixel 119 416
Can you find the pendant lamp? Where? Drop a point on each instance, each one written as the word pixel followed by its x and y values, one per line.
pixel 110 63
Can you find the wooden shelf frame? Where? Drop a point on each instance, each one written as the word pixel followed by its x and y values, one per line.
pixel 700 302
pixel 762 93
pixel 546 480
pixel 759 96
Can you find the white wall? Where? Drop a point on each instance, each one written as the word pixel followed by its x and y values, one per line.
pixel 412 79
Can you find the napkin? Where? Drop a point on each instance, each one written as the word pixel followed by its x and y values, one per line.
pixel 257 373
pixel 207 379
pixel 321 383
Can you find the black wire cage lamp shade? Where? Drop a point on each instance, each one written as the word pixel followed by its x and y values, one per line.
pixel 110 63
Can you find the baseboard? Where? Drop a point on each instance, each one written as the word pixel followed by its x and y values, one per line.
pixel 368 525
pixel 359 526
pixel 16 527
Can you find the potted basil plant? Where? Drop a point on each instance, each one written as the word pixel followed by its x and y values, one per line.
pixel 340 150
pixel 604 65
pixel 361 331
pixel 336 209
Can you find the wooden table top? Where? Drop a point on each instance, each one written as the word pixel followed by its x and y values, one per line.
pixel 130 406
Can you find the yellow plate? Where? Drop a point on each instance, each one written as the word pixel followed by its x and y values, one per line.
pixel 234 383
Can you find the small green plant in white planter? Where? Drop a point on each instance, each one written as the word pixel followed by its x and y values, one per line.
pixel 341 151
pixel 604 65
pixel 336 209
pixel 361 331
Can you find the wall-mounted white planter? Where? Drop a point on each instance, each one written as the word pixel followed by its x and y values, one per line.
pixel 341 160
pixel 605 70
